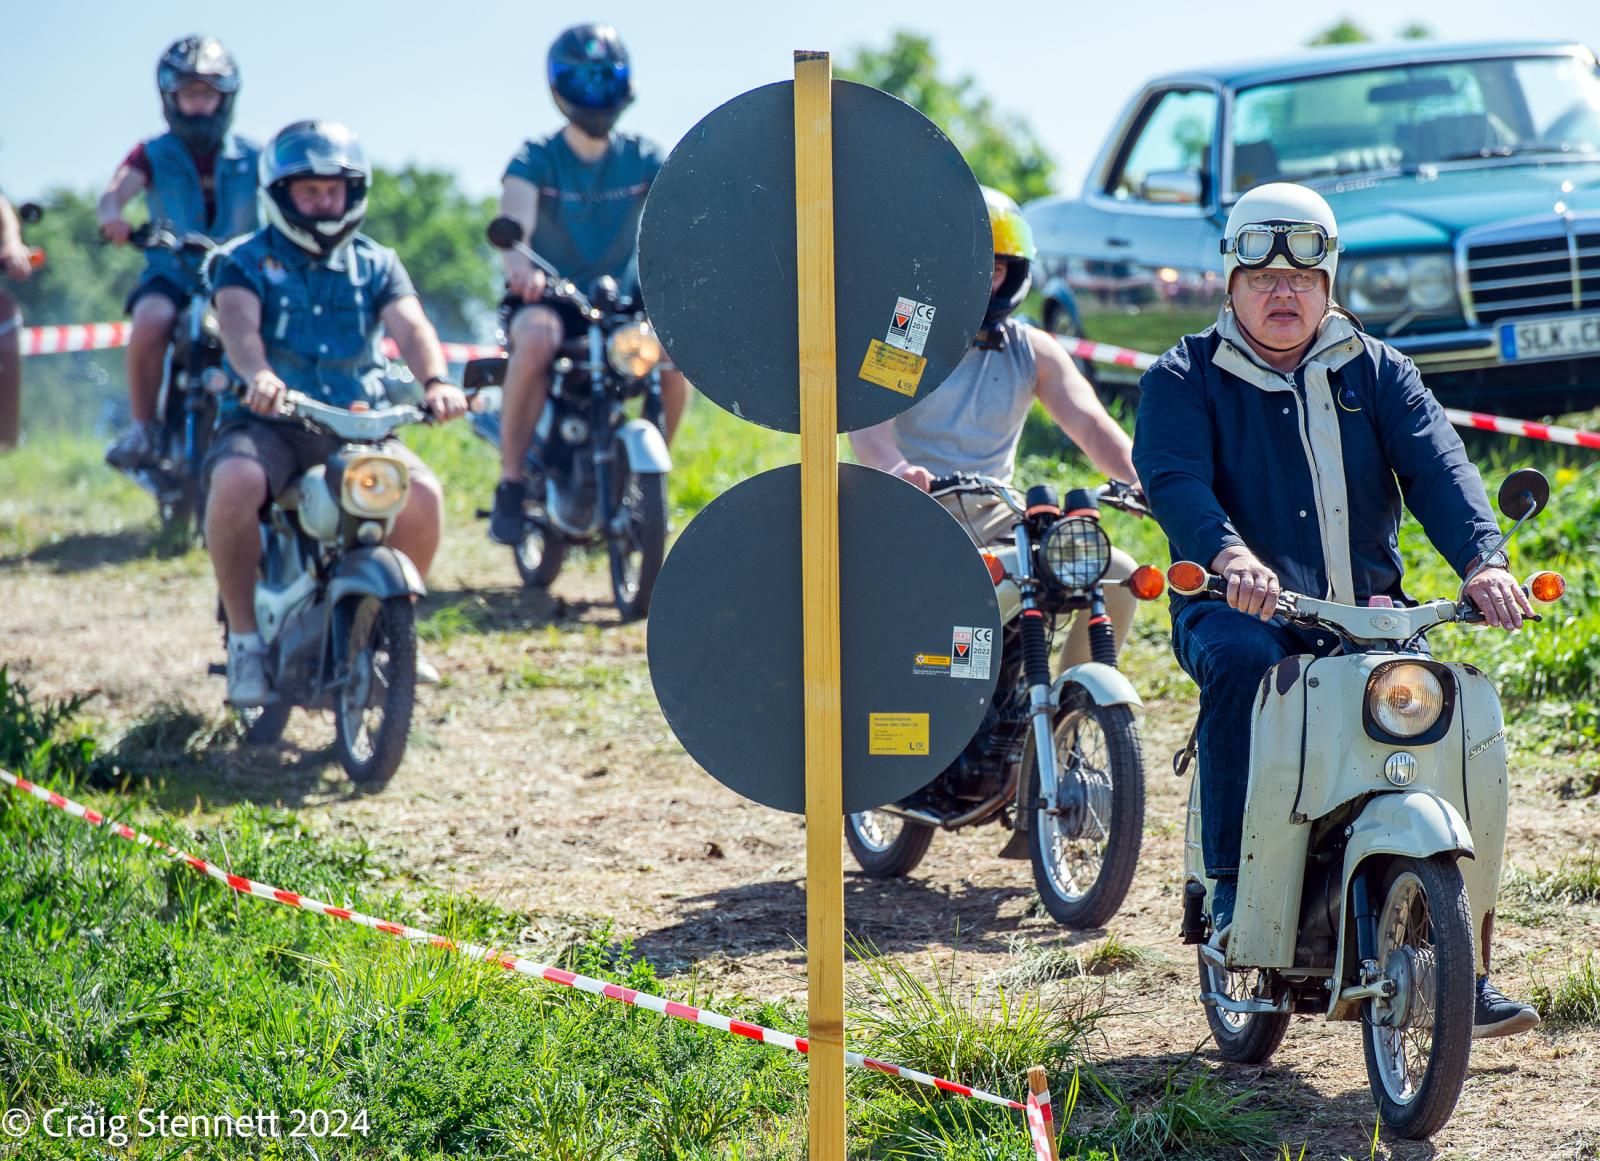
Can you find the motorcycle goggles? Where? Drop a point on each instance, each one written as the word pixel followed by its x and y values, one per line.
pixel 1303 245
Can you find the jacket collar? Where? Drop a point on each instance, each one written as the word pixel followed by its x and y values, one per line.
pixel 1337 342
pixel 294 257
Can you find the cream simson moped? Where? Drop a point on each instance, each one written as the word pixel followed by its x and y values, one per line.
pixel 1373 830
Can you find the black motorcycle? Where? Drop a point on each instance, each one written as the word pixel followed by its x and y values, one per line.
pixel 187 411
pixel 593 472
pixel 333 600
pixel 1057 759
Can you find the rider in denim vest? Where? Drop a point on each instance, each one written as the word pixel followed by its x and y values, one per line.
pixel 301 305
pixel 196 178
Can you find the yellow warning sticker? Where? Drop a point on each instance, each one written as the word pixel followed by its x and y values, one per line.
pixel 892 368
pixel 898 734
pixel 931 665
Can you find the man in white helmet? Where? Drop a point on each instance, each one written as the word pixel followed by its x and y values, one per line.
pixel 1276 447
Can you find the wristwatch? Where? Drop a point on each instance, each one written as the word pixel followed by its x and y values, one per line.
pixel 1495 559
pixel 436 379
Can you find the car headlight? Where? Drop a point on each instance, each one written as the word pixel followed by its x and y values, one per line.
pixel 634 350
pixel 1406 700
pixel 374 485
pixel 1398 283
pixel 1076 552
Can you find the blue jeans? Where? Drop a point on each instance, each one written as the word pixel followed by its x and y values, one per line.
pixel 1227 653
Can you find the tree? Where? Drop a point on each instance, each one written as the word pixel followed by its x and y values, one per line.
pixel 1346 31
pixel 1416 31
pixel 1001 148
pixel 438 232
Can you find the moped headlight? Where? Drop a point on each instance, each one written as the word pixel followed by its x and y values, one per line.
pixel 1077 552
pixel 1405 699
pixel 634 350
pixel 375 485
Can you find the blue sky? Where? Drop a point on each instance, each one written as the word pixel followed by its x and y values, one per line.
pixel 458 84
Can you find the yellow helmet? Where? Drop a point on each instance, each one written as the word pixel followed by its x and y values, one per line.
pixel 1013 237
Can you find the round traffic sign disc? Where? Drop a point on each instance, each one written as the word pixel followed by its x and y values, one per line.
pixel 919 642
pixel 913 253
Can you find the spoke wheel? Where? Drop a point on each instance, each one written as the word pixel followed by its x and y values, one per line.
pixel 886 845
pixel 638 550
pixel 1084 855
pixel 1419 1039
pixel 539 557
pixel 1242 1037
pixel 376 700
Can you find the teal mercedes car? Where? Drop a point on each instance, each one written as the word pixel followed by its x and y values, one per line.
pixel 1465 178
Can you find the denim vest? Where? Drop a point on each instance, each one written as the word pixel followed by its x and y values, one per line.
pixel 320 319
pixel 174 196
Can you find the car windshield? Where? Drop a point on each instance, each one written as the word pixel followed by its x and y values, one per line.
pixel 1399 118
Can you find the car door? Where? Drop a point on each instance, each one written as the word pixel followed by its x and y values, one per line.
pixel 1157 194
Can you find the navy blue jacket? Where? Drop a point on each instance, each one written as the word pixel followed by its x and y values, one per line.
pixel 1227 455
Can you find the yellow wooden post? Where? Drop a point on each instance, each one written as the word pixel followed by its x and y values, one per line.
pixel 819 544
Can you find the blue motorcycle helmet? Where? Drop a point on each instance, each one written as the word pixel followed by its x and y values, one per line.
pixel 314 149
pixel 589 77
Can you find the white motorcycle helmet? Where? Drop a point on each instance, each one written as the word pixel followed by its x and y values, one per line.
pixel 1281 226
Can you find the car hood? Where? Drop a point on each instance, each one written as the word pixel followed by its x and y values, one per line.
pixel 1426 210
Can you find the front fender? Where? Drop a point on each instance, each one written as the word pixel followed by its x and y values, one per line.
pixel 1105 685
pixel 380 572
pixel 644 447
pixel 1417 823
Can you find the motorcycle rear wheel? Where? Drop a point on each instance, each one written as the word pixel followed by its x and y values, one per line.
pixel 1416 1069
pixel 1242 1037
pixel 636 555
pixel 1083 872
pixel 539 557
pixel 382 653
pixel 886 846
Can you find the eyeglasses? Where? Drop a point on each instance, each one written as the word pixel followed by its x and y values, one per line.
pixel 1302 244
pixel 1299 281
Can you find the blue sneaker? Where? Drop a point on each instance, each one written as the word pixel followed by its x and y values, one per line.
pixel 1223 898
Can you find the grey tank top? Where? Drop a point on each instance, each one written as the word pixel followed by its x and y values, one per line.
pixel 972 421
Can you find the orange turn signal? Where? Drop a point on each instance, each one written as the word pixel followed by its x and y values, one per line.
pixel 1146 582
pixel 36 257
pixel 1186 577
pixel 1547 587
pixel 997 571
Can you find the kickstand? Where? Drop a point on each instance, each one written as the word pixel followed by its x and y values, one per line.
pixel 1191 749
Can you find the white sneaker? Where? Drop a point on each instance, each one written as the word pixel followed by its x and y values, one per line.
pixel 426 673
pixel 248 686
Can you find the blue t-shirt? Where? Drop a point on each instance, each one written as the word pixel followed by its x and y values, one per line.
pixel 320 317
pixel 589 210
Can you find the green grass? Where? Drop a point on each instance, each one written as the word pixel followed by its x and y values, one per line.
pixel 1574 879
pixel 1572 998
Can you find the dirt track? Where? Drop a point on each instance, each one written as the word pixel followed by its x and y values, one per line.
pixel 542 776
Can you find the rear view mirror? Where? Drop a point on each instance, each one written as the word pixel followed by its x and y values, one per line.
pixel 478 373
pixel 1524 494
pixel 1172 187
pixel 30 212
pixel 504 233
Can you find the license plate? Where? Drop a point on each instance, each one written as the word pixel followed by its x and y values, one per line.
pixel 1551 338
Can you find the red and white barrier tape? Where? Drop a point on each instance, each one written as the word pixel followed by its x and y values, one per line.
pixel 1041 1124
pixel 79 337
pixel 108 336
pixel 525 967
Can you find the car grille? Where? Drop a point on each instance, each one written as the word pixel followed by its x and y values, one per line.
pixel 1539 268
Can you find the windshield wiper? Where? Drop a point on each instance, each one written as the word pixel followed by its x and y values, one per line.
pixel 1522 149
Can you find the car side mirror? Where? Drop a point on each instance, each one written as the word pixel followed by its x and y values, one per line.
pixel 1524 494
pixel 1173 187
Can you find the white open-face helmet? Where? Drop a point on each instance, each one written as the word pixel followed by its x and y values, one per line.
pixel 1280 226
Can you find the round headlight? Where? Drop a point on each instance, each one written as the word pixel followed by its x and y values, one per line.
pixel 1077 552
pixel 1374 285
pixel 375 485
pixel 634 350
pixel 1405 699
pixel 1433 282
